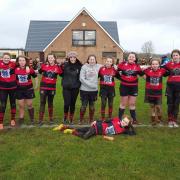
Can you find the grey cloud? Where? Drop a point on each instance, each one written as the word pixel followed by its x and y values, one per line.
pixel 163 14
pixel 158 11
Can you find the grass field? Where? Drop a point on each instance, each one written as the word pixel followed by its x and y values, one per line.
pixel 40 153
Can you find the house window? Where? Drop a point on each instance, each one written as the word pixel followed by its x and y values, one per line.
pixel 59 54
pixel 109 54
pixel 83 38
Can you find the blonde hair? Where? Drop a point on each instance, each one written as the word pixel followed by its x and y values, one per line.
pixel 127 117
pixel 155 59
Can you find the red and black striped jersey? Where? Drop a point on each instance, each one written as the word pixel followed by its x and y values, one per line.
pixel 23 78
pixel 109 128
pixel 154 81
pixel 7 75
pixel 107 76
pixel 174 70
pixel 49 76
pixel 129 73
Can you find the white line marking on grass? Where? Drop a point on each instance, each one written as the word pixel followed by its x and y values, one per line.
pixel 72 126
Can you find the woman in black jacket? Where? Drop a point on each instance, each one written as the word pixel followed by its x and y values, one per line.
pixel 71 84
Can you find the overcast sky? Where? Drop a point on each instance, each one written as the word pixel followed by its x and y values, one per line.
pixel 138 20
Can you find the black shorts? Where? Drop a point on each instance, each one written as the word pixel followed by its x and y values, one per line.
pixel 88 95
pixel 153 100
pixel 25 94
pixel 47 92
pixel 128 90
pixel 173 93
pixel 107 91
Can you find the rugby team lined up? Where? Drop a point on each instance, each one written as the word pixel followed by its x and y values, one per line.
pixel 16 83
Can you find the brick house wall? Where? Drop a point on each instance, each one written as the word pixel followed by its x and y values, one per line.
pixel 63 43
pixel 103 42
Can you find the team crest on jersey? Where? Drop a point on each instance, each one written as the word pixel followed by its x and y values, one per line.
pixel 154 81
pixel 110 130
pixel 5 73
pixel 23 78
pixel 107 79
pixel 130 72
pixel 176 72
pixel 50 74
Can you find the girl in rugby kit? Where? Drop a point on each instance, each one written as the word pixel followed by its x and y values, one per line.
pixel 173 88
pixel 25 91
pixel 153 90
pixel 129 71
pixel 109 127
pixel 7 88
pixel 107 73
pixel 49 72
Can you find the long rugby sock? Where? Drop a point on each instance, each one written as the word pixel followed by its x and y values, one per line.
pixel 133 114
pixel 121 112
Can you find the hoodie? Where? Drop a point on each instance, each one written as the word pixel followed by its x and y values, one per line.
pixel 70 76
pixel 89 77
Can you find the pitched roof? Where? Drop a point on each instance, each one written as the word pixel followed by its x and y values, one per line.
pixel 42 33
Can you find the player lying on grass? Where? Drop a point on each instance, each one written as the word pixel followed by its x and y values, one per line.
pixel 108 127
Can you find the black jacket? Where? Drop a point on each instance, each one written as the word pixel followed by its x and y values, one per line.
pixel 70 76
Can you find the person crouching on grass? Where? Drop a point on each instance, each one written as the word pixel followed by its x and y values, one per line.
pixel 153 90
pixel 7 88
pixel 107 128
pixel 49 72
pixel 129 71
pixel 25 91
pixel 107 83
pixel 173 88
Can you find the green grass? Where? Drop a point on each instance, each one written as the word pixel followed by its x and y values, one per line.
pixel 40 153
pixel 143 111
pixel 43 154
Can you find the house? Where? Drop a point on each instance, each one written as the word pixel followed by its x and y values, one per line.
pixel 83 34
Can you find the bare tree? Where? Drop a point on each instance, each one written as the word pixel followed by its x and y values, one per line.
pixel 148 49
